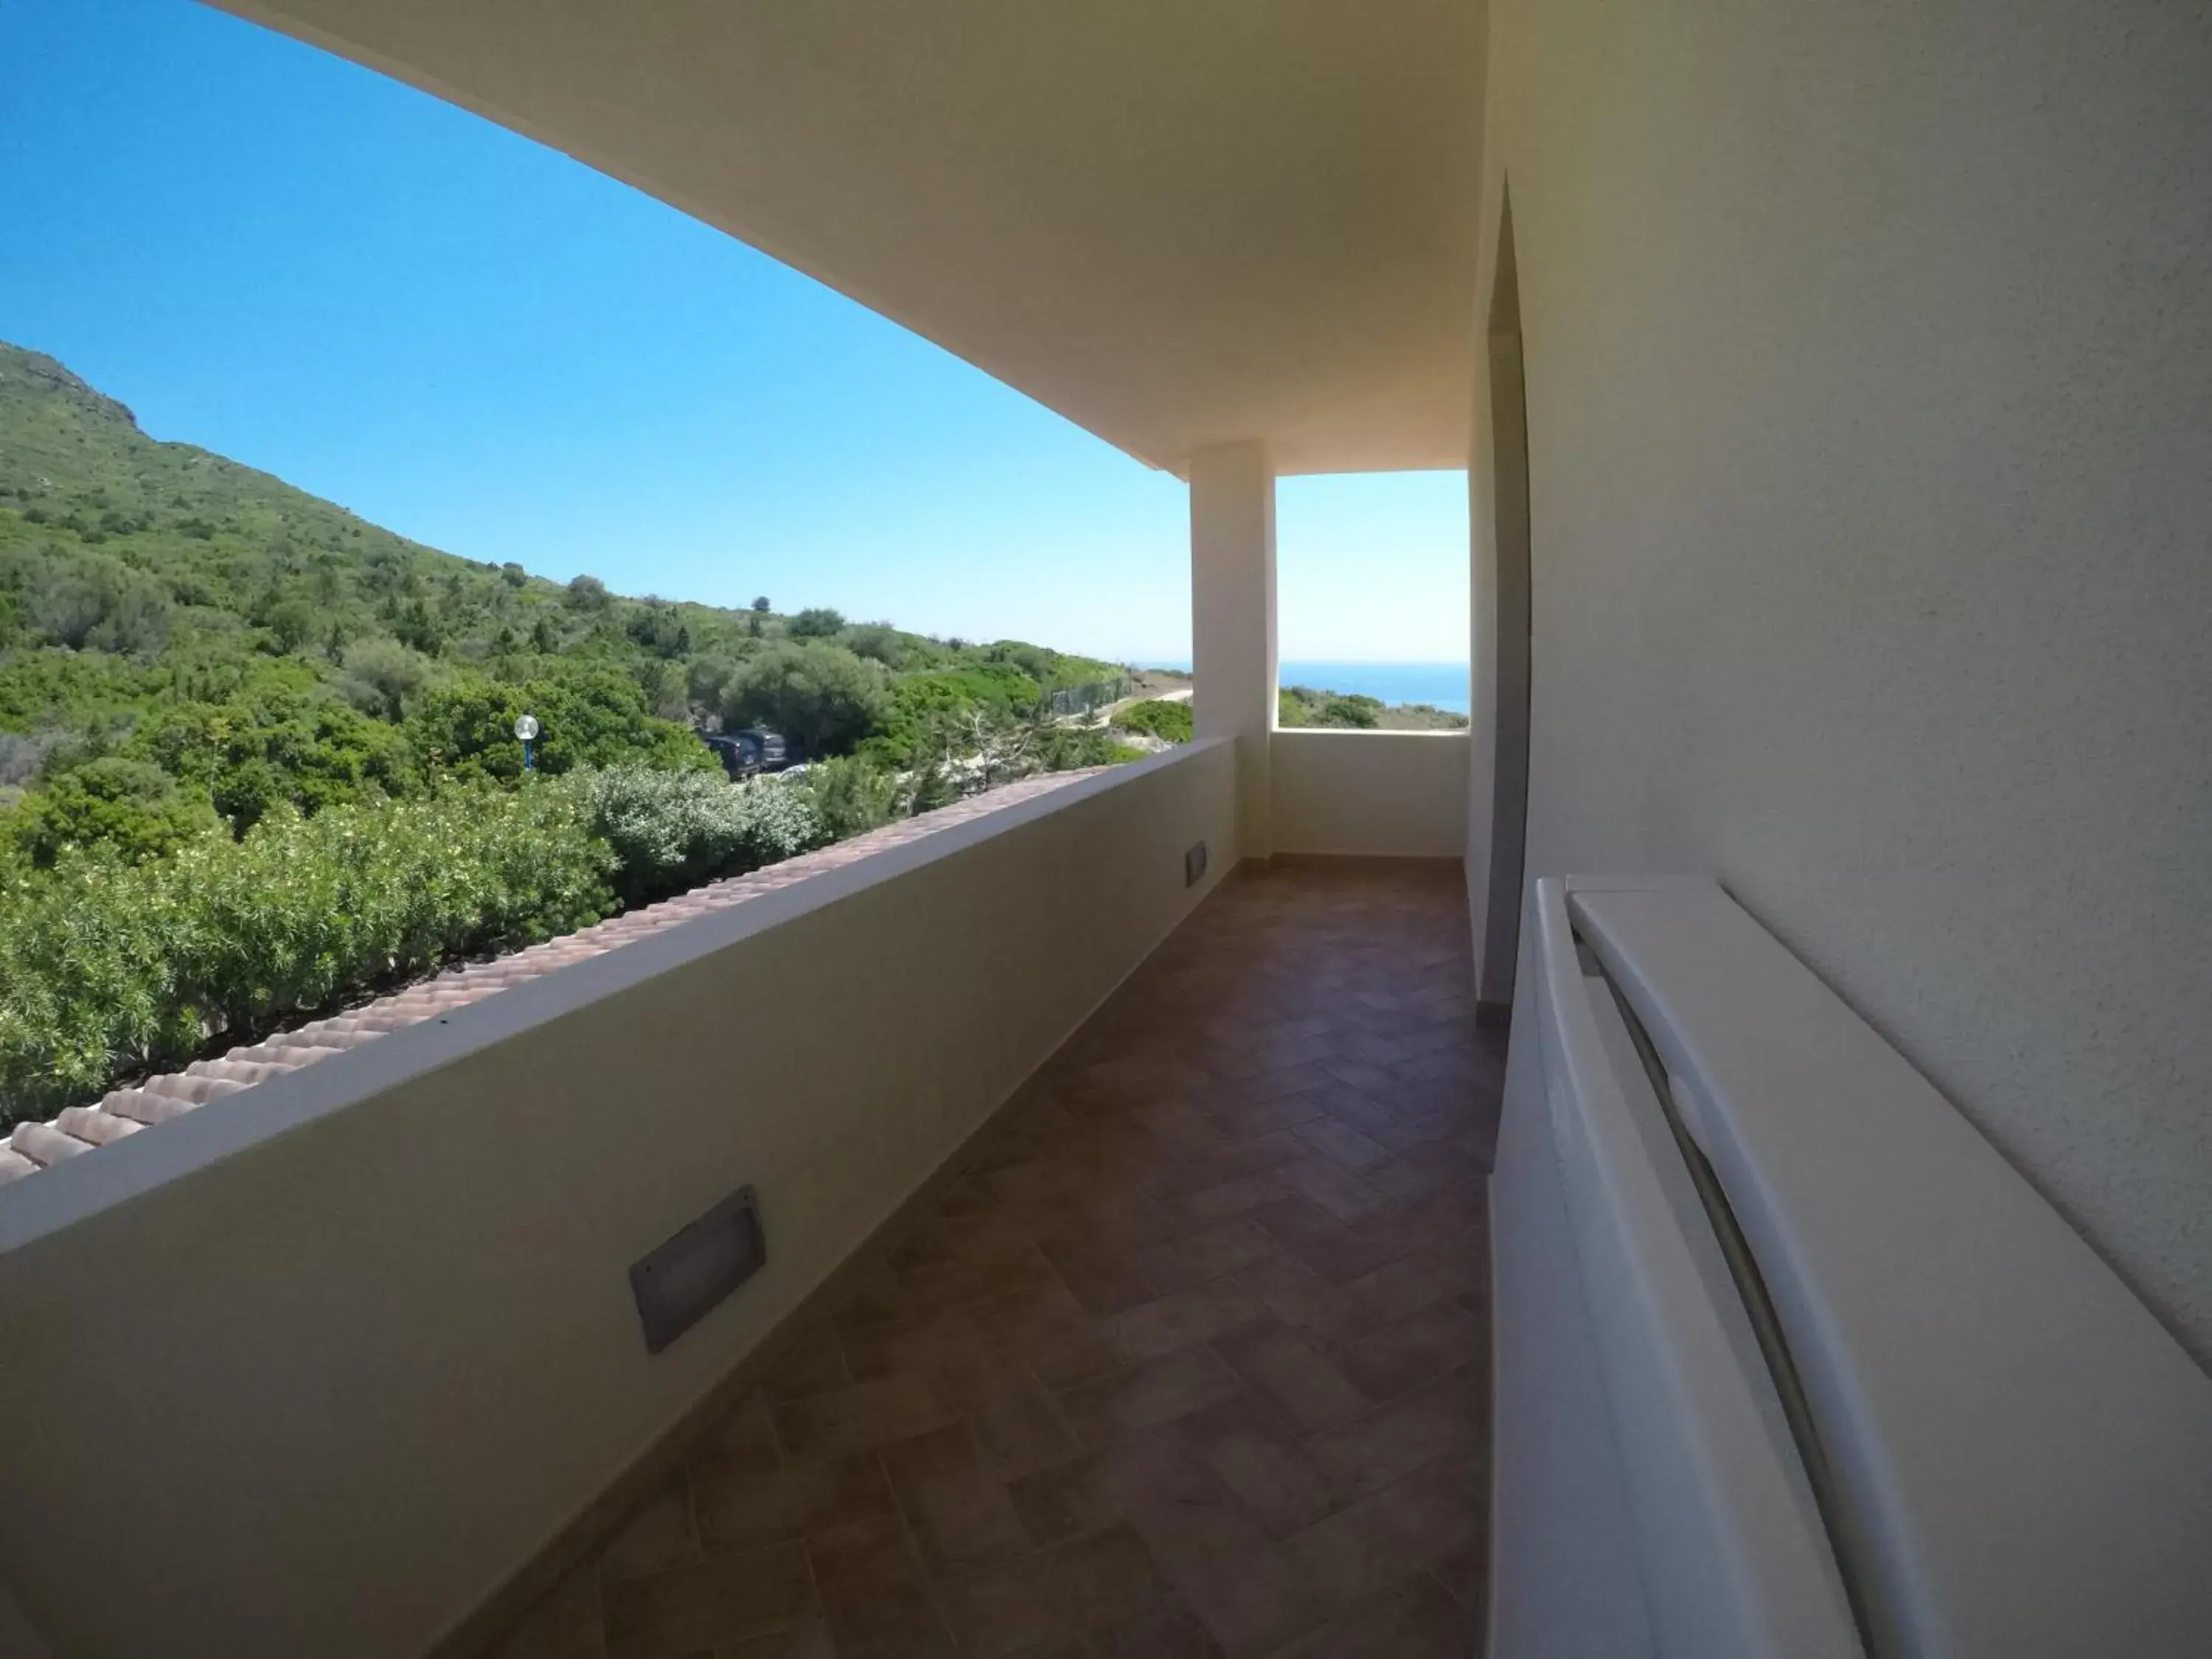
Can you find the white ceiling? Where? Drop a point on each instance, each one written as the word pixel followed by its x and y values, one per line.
pixel 1178 222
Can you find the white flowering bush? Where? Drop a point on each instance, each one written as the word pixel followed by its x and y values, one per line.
pixel 670 830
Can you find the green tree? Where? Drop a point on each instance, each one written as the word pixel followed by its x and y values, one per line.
pixel 817 621
pixel 277 742
pixel 91 602
pixel 1032 660
pixel 291 624
pixel 820 697
pixel 659 627
pixel 926 705
pixel 595 717
pixel 381 675
pixel 878 640
pixel 705 680
pixel 417 629
pixel 130 806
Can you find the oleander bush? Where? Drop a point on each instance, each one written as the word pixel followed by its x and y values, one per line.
pixel 109 968
pixel 669 830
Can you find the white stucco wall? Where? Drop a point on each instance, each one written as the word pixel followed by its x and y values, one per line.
pixel 324 1390
pixel 1869 394
pixel 1391 794
pixel 1232 621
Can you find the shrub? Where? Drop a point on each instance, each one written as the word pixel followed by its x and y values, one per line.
pixel 91 602
pixel 967 755
pixel 291 624
pixel 589 717
pixel 850 797
pixel 1300 705
pixel 822 697
pixel 671 829
pixel 1067 748
pixel 706 679
pixel 659 627
pixel 21 755
pixel 817 621
pixel 878 640
pixel 272 743
pixel 924 706
pixel 107 969
pixel 1171 720
pixel 382 675
pixel 131 808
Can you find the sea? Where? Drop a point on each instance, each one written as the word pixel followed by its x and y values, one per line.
pixel 1441 684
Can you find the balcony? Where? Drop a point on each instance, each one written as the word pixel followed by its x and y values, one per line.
pixel 1124 1275
pixel 1129 1259
pixel 1191 1352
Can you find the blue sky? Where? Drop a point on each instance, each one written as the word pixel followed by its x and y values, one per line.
pixel 485 346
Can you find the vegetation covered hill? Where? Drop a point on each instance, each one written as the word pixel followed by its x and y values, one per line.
pixel 258 760
pixel 178 617
pixel 257 756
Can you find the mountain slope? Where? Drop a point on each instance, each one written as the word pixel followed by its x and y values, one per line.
pixel 139 577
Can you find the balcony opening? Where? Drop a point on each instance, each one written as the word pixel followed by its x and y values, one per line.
pixel 1506 649
pixel 1371 605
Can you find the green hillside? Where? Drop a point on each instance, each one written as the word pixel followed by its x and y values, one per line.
pixel 165 608
pixel 258 760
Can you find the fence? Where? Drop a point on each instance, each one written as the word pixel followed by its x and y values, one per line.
pixel 1082 699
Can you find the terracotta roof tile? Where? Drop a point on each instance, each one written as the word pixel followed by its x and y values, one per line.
pixel 289 1056
pixel 45 1144
pixel 90 1123
pixel 123 1112
pixel 230 1069
pixel 198 1090
pixel 144 1106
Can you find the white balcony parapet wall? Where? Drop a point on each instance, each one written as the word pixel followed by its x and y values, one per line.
pixel 317 1369
pixel 1389 794
pixel 1232 621
pixel 156 1101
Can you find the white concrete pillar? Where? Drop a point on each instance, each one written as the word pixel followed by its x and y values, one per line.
pixel 1232 622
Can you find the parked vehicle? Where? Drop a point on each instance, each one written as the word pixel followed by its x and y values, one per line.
pixel 748 752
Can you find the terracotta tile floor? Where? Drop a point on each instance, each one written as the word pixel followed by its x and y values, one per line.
pixel 1194 1362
